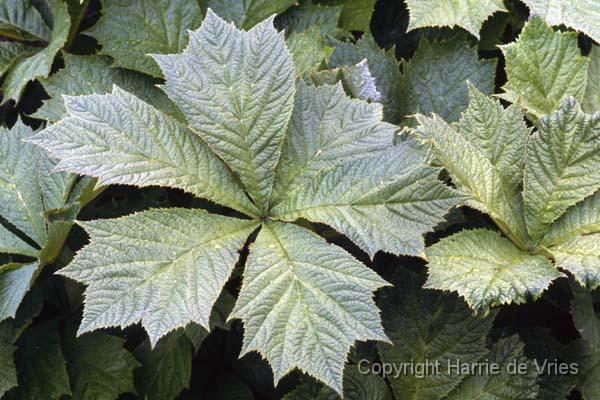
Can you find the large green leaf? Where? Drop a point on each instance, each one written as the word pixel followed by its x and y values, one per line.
pixel 308 49
pixel 165 369
pixel 563 165
pixel 158 151
pixel 386 202
pixel 469 15
pixel 308 15
pixel 356 14
pixel 19 18
pixel 487 269
pixel 429 327
pixel 40 363
pixel 581 15
pixel 93 75
pixel 480 167
pixel 129 30
pixel 245 14
pixel 164 267
pixel 327 128
pixel 543 67
pixel 382 65
pixel 12 244
pixel 38 65
pixel 99 367
pixel 239 101
pixel 580 256
pixel 15 281
pixel 304 303
pixel 435 78
pixel 504 385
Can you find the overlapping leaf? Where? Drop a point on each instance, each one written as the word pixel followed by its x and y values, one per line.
pixel 562 168
pixel 129 30
pixel 435 78
pixel 480 167
pixel 21 20
pixel 543 67
pixel 487 269
pixel 37 66
pixel 381 64
pixel 93 74
pixel 429 327
pixel 581 15
pixel 469 15
pixel 248 13
pixel 304 303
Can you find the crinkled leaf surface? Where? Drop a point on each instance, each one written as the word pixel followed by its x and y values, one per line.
pixel 468 14
pixel 158 151
pixel 304 302
pixel 12 52
pixel 385 202
pixel 486 171
pixel 487 269
pixel 581 15
pixel 504 385
pixel 12 244
pixel 38 65
pixel 563 165
pixel 165 369
pixel 236 90
pixel 581 219
pixel 429 326
pixel 164 267
pixel 543 67
pixel 245 14
pixel 92 74
pixel 327 128
pixel 309 50
pixel 435 78
pixel 21 18
pixel 130 30
pixel 382 66
pixel 99 367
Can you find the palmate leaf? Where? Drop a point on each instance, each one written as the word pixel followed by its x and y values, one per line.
pixel 369 198
pixel 435 78
pixel 238 96
pixel 93 75
pixel 429 326
pixel 487 269
pixel 580 15
pixel 468 14
pixel 129 30
pixel 164 268
pixel 304 303
pixel 543 67
pixel 563 165
pixel 486 171
pixel 504 385
pixel 38 65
